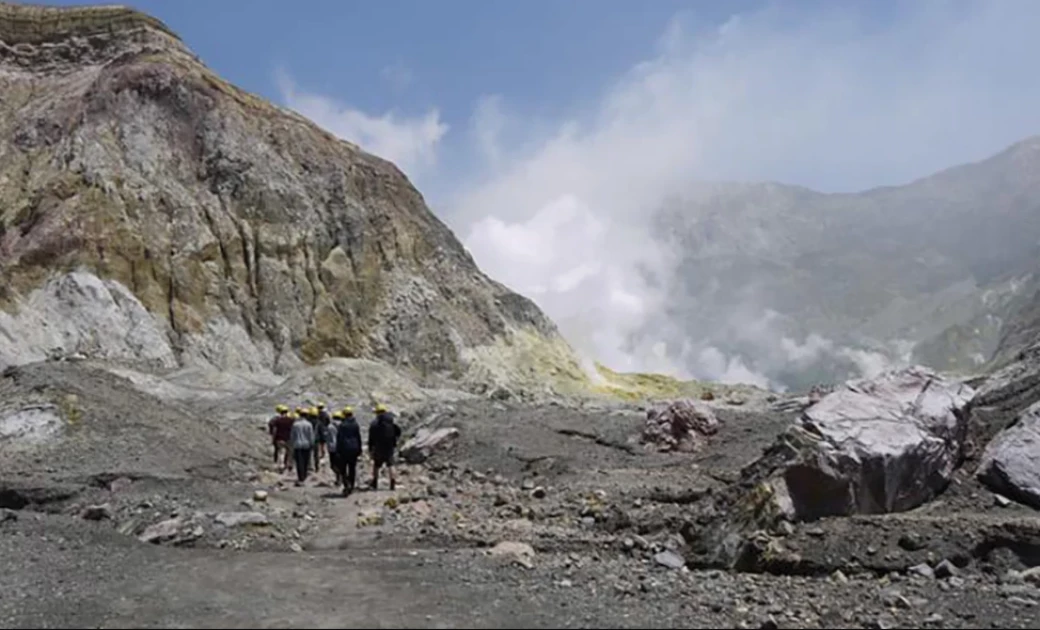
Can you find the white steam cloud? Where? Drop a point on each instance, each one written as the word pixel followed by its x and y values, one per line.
pixel 834 99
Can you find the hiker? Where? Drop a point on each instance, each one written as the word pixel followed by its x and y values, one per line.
pixel 311 414
pixel 330 441
pixel 383 434
pixel 321 433
pixel 302 442
pixel 280 428
pixel 348 449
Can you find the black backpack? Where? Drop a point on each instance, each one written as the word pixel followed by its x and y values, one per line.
pixel 387 431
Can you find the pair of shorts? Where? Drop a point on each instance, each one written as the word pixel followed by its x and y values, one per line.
pixel 381 458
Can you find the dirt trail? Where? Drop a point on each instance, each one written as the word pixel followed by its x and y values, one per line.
pixel 351 522
pixel 137 585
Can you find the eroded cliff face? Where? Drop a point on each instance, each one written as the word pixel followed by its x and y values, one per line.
pixel 251 238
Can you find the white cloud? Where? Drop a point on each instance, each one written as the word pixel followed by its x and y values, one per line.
pixel 828 99
pixel 410 143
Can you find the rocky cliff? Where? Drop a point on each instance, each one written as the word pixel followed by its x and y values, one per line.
pixel 150 211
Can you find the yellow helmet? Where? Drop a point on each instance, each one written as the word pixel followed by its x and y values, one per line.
pixel 294 415
pixel 313 411
pixel 338 415
pixel 300 411
pixel 321 405
pixel 281 409
pixel 347 411
pixel 380 408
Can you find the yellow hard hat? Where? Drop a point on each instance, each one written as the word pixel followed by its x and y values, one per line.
pixel 293 415
pixel 380 408
pixel 347 411
pixel 300 410
pixel 313 411
pixel 281 409
pixel 337 414
pixel 321 405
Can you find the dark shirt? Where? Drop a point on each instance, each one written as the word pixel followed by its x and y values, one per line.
pixel 281 427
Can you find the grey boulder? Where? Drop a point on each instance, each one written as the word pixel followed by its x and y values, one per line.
pixel 162 531
pixel 681 425
pixel 238 519
pixel 873 446
pixel 419 448
pixel 1010 464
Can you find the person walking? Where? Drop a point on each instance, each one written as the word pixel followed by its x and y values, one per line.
pixel 348 449
pixel 302 438
pixel 330 445
pixel 320 419
pixel 383 434
pixel 280 428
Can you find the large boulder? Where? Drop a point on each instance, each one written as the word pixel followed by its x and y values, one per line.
pixel 874 446
pixel 1011 462
pixel 1003 396
pixel 682 425
pixel 419 448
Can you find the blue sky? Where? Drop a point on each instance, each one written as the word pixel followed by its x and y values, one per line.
pixel 547 60
pixel 544 132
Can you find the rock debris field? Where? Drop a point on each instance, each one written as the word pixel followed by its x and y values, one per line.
pixel 140 510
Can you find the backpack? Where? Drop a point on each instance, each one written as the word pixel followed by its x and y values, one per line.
pixel 387 431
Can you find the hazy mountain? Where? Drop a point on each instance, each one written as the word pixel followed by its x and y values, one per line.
pixel 798 284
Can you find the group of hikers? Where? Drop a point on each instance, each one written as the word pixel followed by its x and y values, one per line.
pixel 310 433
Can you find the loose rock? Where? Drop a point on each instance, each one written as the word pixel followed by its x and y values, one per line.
pixel 97 512
pixel 238 519
pixel 923 570
pixel 159 532
pixel 517 551
pixel 682 425
pixel 669 559
pixel 945 569
pixel 911 542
